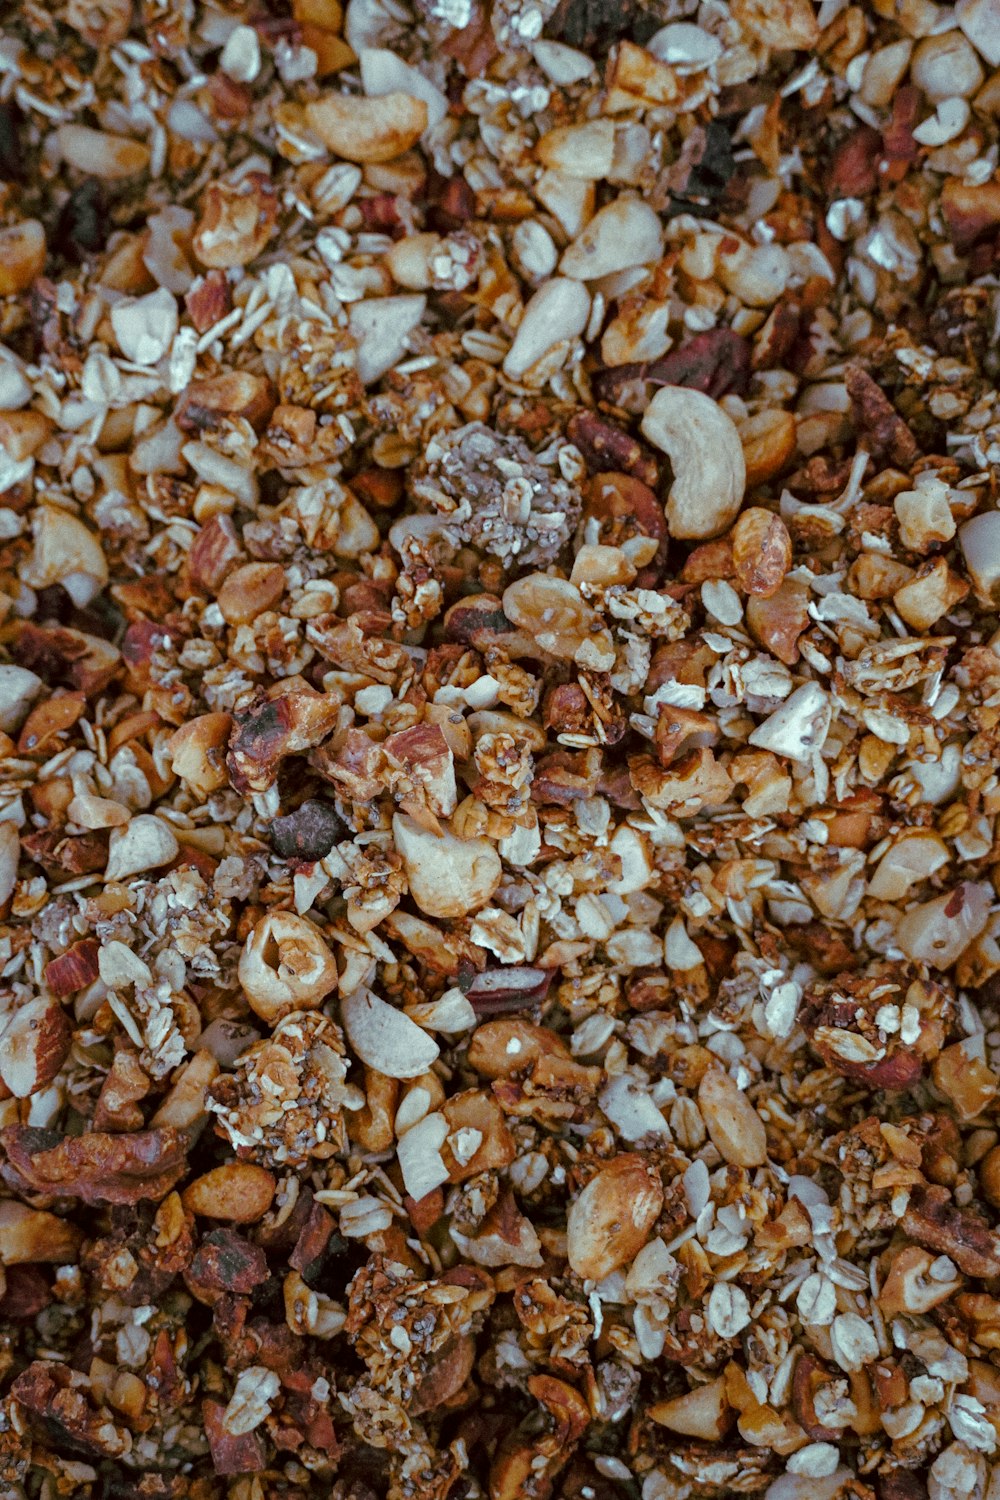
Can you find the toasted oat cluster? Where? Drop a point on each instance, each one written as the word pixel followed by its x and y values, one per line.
pixel 499 738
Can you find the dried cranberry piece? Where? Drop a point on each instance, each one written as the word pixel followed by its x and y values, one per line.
pixel 308 833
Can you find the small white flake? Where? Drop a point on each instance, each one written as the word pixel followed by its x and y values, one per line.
pixel 728 1310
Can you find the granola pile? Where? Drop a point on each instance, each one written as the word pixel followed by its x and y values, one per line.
pixel 499 723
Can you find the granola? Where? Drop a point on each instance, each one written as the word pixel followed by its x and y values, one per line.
pixel 499 726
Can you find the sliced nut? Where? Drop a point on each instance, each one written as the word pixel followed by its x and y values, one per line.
pixel 768 440
pixel 787 23
pixel 938 932
pixel 22 433
pixel 18 690
pixel 73 970
pixel 778 621
pixel 554 317
pixel 989 1176
pixel 145 327
pixel 980 543
pixel 448 876
pixel 98 153
pixel 626 233
pixel 207 405
pixel 636 76
pixel 910 1289
pixel 28 1236
pixel 965 1080
pixel 368 130
pixel 610 1221
pixel 500 1048
pixel 237 220
pixel 554 613
pixel 946 66
pixel 65 551
pixel 704 447
pixel 184 1105
pixel 924 515
pixel 932 592
pixel 285 966
pixel 197 752
pixel 381 326
pixel 736 1128
pixel 585 150
pixel 385 1038
pixel 239 1192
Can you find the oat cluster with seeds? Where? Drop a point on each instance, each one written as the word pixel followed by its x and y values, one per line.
pixel 499 735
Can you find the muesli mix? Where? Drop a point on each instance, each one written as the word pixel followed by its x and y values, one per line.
pixel 499 722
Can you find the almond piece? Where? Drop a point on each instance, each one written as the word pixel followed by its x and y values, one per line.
pixel 386 1039
pixel 33 1046
pixel 610 1221
pixel 22 255
pixel 736 1128
pixel 239 1192
pixel 701 1413
pixel 250 591
pixel 30 1237
pixel 371 130
pixel 762 551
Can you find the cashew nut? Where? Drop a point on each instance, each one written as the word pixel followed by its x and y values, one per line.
pixel 704 447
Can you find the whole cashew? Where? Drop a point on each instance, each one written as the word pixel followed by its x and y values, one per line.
pixel 704 447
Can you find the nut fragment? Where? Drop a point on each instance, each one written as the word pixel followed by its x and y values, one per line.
pixel 236 221
pixel 736 1128
pixel 702 1412
pixel 22 255
pixel 98 153
pixel 146 843
pixel 239 1192
pixel 29 1236
pixel 250 591
pixel 611 1219
pixel 762 551
pixel 704 447
pixel 384 1038
pixel 368 130
pixel 285 966
pixel 448 876
pixel 625 233
pixel 33 1047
